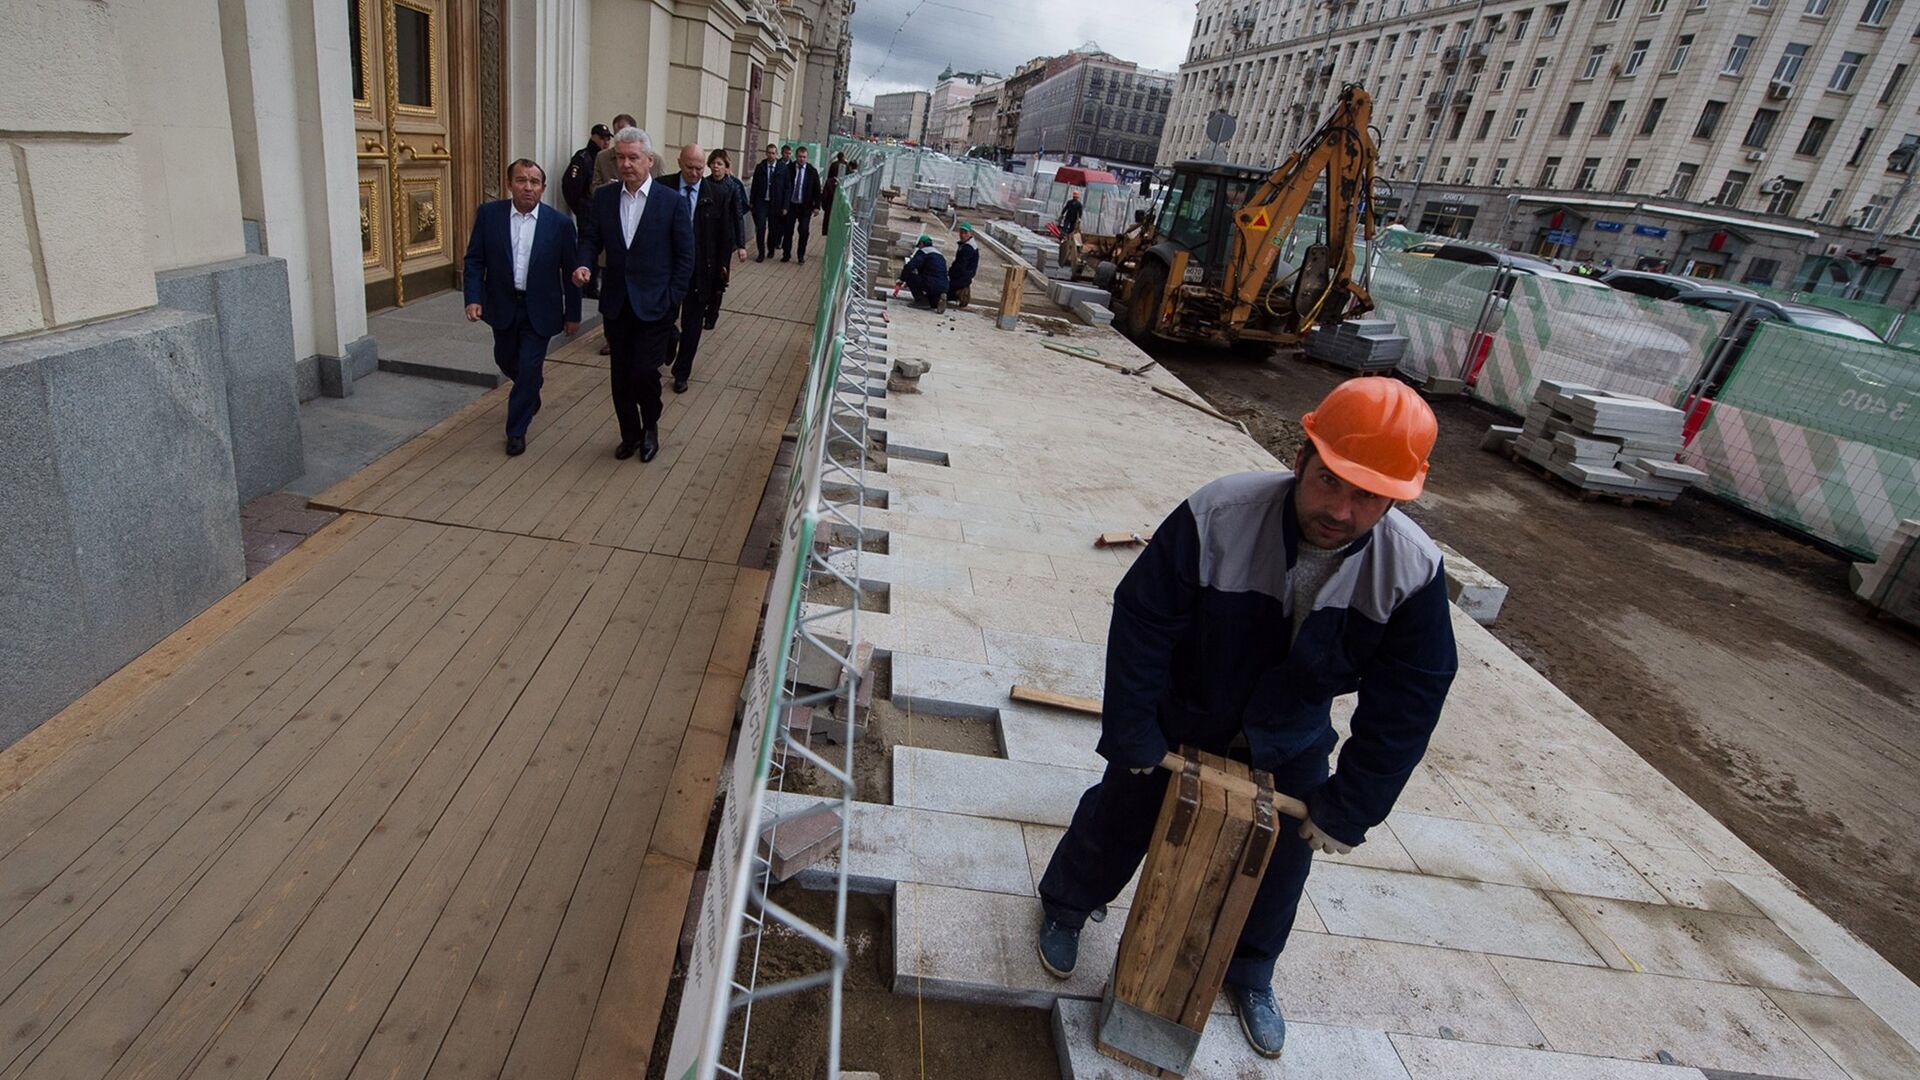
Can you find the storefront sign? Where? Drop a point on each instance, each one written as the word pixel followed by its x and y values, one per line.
pixel 1608 226
pixel 1654 231
pixel 1560 236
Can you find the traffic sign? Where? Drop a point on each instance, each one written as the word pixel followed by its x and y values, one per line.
pixel 1221 126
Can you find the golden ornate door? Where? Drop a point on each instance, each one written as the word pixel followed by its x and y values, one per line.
pixel 403 134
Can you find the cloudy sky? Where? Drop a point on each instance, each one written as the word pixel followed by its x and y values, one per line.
pixel 903 44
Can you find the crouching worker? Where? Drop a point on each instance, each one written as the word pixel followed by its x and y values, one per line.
pixel 1262 597
pixel 966 261
pixel 925 275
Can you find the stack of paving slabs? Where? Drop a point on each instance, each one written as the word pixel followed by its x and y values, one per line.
pixel 1367 346
pixel 1891 583
pixel 1606 443
pixel 1210 849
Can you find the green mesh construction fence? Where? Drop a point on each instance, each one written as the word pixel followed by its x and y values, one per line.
pixel 1852 389
pixel 1434 303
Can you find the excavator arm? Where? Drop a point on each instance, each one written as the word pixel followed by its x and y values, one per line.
pixel 1342 150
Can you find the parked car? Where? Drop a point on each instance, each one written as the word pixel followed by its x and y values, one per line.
pixel 1814 318
pixel 1492 256
pixel 1667 286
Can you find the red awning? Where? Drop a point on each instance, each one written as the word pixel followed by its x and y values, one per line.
pixel 1082 177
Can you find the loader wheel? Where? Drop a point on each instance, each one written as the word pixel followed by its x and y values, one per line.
pixel 1103 275
pixel 1143 300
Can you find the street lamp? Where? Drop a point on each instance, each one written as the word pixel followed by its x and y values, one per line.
pixel 1900 160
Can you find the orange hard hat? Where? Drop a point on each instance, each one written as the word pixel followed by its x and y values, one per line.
pixel 1375 433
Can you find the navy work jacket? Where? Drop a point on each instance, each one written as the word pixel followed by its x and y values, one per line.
pixel 1198 650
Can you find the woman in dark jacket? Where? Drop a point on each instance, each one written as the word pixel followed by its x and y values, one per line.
pixel 720 175
pixel 832 184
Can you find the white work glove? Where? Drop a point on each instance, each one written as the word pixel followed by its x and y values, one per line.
pixel 1320 841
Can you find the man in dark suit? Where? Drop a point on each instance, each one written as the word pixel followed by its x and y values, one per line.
pixel 761 196
pixel 716 236
pixel 799 197
pixel 521 258
pixel 647 235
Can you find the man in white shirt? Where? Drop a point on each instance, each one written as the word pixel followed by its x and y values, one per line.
pixel 519 278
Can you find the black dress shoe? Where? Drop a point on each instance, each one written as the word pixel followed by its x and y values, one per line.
pixel 759 258
pixel 679 386
pixel 516 445
pixel 784 258
pixel 626 450
pixel 649 445
pixel 803 260
pixel 709 324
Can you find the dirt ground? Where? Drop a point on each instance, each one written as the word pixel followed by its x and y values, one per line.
pixel 1727 653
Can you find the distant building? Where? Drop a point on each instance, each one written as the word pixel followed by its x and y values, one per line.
pixel 857 121
pixel 983 131
pixel 901 116
pixel 950 110
pixel 1097 109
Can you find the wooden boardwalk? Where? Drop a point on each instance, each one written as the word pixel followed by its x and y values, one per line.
pixel 425 798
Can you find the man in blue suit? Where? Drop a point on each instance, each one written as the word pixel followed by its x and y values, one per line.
pixel 521 258
pixel 647 235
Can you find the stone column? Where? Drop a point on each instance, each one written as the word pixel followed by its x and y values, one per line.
pixel 630 52
pixel 702 61
pixel 548 57
pixel 753 47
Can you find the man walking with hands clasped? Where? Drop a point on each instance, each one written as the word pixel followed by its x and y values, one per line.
pixel 1260 599
pixel 521 278
pixel 647 235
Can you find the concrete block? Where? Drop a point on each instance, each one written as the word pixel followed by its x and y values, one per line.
pixel 1691 944
pixel 117 487
pixel 1450 1059
pixel 1500 919
pixel 248 298
pixel 1050 737
pixel 1498 436
pixel 888 845
pixel 797 843
pixel 987 787
pixel 1388 986
pixel 690 921
pixel 909 369
pixel 1472 589
pixel 1092 314
pixel 1682 877
pixel 1042 839
pixel 1851 1033
pixel 955 688
pixel 1313 1050
pixel 1442 386
pixel 963 945
pixel 1581 864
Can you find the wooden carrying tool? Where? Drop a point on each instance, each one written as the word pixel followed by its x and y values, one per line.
pixel 1126 538
pixel 1210 849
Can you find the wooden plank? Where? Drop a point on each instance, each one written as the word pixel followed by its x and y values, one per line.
pixel 620 1035
pixel 1238 902
pixel 1037 696
pixel 610 514
pixel 701 485
pixel 1195 855
pixel 640 527
pixel 366 938
pixel 348 493
pixel 82 720
pixel 1146 920
pixel 1199 406
pixel 1284 804
pixel 513 479
pixel 1198 940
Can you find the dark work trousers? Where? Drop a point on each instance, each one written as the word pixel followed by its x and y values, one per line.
pixel 686 336
pixel 638 347
pixel 794 226
pixel 520 354
pixel 1111 830
pixel 760 244
pixel 924 292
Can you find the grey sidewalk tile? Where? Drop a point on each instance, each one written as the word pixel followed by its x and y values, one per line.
pixel 889 844
pixel 1057 659
pixel 1587 866
pixel 1467 849
pixel 1050 737
pixel 867 567
pixel 1706 1025
pixel 1430 792
pixel 987 787
pixel 1502 920
pixel 956 688
pixel 972 556
pixel 1852 1034
pixel 1449 1059
pixel 1587 812
pixel 998 612
pixel 1314 1051
pixel 1387 986
pixel 1707 945
pixel 979 946
pixel 1078 596
pixel 1381 851
pixel 1684 877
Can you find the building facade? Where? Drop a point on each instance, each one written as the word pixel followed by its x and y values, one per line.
pixel 901 116
pixel 199 215
pixel 950 108
pixel 857 121
pixel 1096 109
pixel 1760 140
pixel 983 127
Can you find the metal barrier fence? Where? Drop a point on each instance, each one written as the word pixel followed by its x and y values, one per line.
pixel 822 519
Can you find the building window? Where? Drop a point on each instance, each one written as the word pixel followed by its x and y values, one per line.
pixel 1761 129
pixel 1870 213
pixel 1904 163
pixel 1682 45
pixel 1734 186
pixel 1549 172
pixel 1595 57
pixel 1635 57
pixel 1817 7
pixel 1814 137
pixel 1539 69
pixel 1433 128
pixel 1656 7
pixel 1893 84
pixel 1761 272
pixel 1434 41
pixel 1571 118
pixel 1556 15
pixel 1614 8
pixel 1399 86
pixel 1486 125
pixel 1506 73
pixel 1466 173
pixel 1737 54
pixel 1780 200
pixel 1683 177
pixel 1589 173
pixel 1652 119
pixel 1610 118
pixel 1627 173
pixel 1709 119
pixel 1525 19
pixel 1392 42
pixel 1844 71
pixel 1826 208
pixel 1788 69
pixel 1519 122
pixel 1499 172
pixel 1860 148
pixel 1875 13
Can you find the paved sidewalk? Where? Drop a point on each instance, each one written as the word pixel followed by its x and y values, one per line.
pixel 1541 904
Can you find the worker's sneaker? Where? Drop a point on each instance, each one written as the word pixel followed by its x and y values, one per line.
pixel 1059 948
pixel 1260 1018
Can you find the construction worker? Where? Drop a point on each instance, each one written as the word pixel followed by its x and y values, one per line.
pixel 1258 600
pixel 925 275
pixel 966 262
pixel 1070 213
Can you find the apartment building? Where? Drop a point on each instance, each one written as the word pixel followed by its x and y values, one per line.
pixel 1767 141
pixel 901 116
pixel 1112 112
